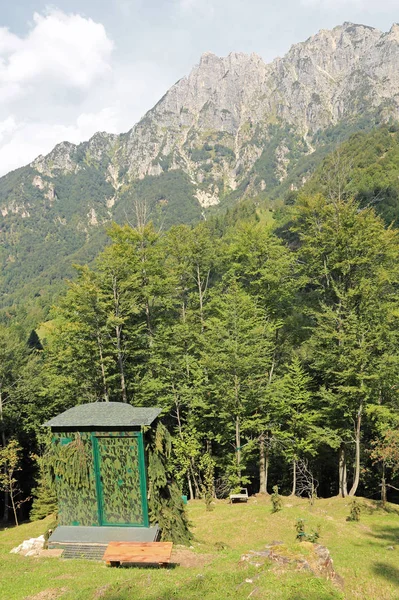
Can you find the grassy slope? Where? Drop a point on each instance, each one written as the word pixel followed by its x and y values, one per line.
pixel 359 551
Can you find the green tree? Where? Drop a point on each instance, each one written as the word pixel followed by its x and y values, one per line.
pixel 266 269
pixel 34 342
pixel 10 459
pixel 238 350
pixel 298 433
pixel 350 262
pixel 13 357
pixel 194 252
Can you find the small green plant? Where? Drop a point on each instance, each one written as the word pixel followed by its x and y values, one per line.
pixel 301 534
pixel 276 500
pixel 314 536
pixel 355 510
pixel 300 530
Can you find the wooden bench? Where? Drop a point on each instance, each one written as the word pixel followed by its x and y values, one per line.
pixel 241 497
pixel 138 552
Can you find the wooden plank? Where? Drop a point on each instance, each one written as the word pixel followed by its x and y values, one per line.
pixel 138 552
pixel 139 549
pixel 142 545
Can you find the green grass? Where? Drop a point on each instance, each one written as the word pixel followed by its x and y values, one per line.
pixel 359 550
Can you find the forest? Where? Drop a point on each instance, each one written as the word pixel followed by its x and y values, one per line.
pixel 268 336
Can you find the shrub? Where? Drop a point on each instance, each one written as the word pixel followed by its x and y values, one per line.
pixel 355 510
pixel 276 500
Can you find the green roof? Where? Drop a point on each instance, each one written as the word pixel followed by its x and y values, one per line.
pixel 105 414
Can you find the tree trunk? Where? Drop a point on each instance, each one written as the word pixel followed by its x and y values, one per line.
pixel 190 487
pixel 100 350
pixel 356 478
pixel 209 451
pixel 196 486
pixel 343 484
pixel 293 492
pixel 200 295
pixel 4 444
pixel 118 332
pixel 262 464
pixel 271 372
pixel 383 487
pixel 238 446
pixel 13 504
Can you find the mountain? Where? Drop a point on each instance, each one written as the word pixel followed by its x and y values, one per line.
pixel 235 127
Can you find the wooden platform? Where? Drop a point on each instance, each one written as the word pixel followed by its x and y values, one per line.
pixel 155 553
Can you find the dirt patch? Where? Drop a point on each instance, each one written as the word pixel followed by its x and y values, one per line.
pixel 53 553
pixel 100 593
pixel 50 594
pixel 187 558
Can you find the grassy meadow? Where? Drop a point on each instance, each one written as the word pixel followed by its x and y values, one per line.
pixel 365 556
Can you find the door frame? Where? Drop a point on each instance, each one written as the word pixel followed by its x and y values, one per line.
pixel 142 473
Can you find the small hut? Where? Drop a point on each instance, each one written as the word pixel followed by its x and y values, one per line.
pixel 99 466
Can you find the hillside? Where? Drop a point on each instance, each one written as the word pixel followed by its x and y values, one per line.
pixel 365 167
pixel 235 127
pixel 215 569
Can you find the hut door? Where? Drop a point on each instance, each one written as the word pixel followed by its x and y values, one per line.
pixel 121 484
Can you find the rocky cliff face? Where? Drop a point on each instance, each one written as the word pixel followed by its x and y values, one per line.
pixel 234 127
pixel 215 123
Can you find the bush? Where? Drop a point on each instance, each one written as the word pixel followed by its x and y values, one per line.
pixel 355 510
pixel 276 500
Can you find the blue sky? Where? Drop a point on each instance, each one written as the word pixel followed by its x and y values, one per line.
pixel 71 68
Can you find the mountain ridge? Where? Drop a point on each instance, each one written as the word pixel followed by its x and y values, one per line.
pixel 189 91
pixel 234 127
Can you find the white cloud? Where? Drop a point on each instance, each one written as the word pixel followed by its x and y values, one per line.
pixel 8 41
pixel 52 84
pixel 203 8
pixel 68 50
pixel 371 6
pixel 7 127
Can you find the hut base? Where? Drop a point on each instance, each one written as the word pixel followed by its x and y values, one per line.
pixel 91 542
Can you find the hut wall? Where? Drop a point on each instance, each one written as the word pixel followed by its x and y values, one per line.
pixel 113 491
pixel 77 500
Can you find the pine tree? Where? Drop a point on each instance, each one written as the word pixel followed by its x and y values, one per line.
pixel 165 503
pixel 44 495
pixel 34 342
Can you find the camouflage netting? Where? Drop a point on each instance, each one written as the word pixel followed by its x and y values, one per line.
pixel 73 466
pixel 120 473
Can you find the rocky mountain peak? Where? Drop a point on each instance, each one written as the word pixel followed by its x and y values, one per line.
pixel 215 123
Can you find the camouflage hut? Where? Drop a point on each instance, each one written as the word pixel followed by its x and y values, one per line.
pixel 99 467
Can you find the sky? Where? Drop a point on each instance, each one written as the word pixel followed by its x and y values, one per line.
pixel 72 68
